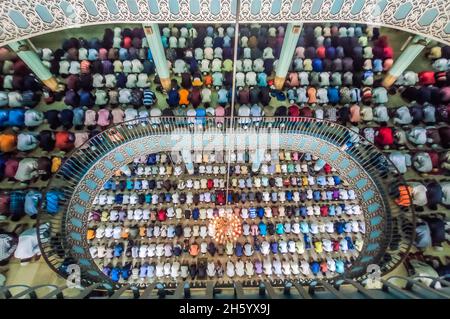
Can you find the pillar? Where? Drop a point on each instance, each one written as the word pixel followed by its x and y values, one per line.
pixel 153 36
pixel 291 36
pixel 34 63
pixel 258 158
pixel 405 59
pixel 187 159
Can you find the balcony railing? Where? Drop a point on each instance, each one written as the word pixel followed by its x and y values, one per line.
pixel 389 228
pixel 403 288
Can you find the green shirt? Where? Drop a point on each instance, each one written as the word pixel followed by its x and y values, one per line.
pixel 227 65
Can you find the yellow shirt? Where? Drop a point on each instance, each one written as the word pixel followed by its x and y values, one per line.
pixel 318 247
pixel 56 164
pixel 277 168
pixel 304 181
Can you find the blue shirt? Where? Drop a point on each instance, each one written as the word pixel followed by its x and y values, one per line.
pixel 118 249
pixel 85 98
pixel 304 227
pixel 3 117
pixel 222 96
pixel 317 65
pixel 52 198
pixel 307 240
pixel 333 95
pixel 151 159
pixel 32 199
pixel 118 199
pixel 210 31
pixel 262 79
pixel 174 98
pixel 110 185
pixel 126 273
pixel 377 65
pixel 340 266
pixel 226 41
pixel 123 54
pixel 92 55
pixel 115 274
pixel 349 243
pixel 16 117
pixel 289 196
pixel 280 229
pixel 331 210
pixel 78 116
pixel 316 195
pixel 321 180
pixel 260 212
pixel 330 53
pixel 129 184
pixel 138 185
pixel 262 229
pixel 337 180
pixel 239 250
pixel 195 214
pixel 164 41
pixel 315 267
pixel 339 226
pixel 274 247
pixel 303 211
pixel 200 114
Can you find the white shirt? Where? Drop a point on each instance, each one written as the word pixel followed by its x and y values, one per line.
pixel 250 78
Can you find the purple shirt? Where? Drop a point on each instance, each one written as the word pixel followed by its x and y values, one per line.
pixel 108 67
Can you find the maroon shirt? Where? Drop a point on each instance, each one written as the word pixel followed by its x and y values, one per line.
pixel 11 167
pixel 244 96
pixel 196 97
pixel 72 82
pixel 4 204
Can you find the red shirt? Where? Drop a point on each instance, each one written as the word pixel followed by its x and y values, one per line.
pixel 127 42
pixel 220 198
pixel 294 111
pixel 64 140
pixel 327 168
pixel 324 211
pixel 385 136
pixel 210 184
pixel 162 216
pixel 321 51
pixel 427 78
pixel 336 245
pixel 306 112
pixel 434 159
pixel 388 53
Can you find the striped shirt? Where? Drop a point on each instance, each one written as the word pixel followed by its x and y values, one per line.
pixel 149 97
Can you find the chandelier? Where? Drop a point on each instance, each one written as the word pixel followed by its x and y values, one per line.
pixel 227 228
